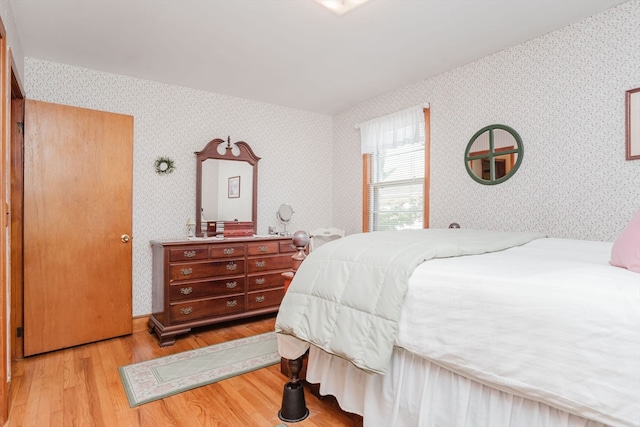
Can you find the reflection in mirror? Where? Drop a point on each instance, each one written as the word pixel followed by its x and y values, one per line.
pixel 493 154
pixel 227 189
pixel 226 186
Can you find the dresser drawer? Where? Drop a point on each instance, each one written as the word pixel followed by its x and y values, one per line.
pixel 287 247
pixel 191 253
pixel 203 282
pixel 262 248
pixel 269 263
pixel 264 281
pixel 258 300
pixel 206 269
pixel 194 310
pixel 227 251
pixel 193 290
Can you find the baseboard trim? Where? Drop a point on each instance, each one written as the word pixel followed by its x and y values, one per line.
pixel 141 323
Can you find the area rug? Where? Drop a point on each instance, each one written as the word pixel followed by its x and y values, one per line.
pixel 165 376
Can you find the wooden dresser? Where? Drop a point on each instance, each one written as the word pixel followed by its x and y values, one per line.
pixel 201 282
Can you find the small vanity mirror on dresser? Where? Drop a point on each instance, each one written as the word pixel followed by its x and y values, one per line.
pixel 226 187
pixel 284 214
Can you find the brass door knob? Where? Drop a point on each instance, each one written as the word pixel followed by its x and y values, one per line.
pixel 125 238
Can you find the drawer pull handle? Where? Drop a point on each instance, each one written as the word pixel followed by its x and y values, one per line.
pixel 186 271
pixel 260 264
pixel 232 303
pixel 232 266
pixel 261 298
pixel 189 254
pixel 232 285
pixel 292 246
pixel 229 251
pixel 260 281
pixel 186 311
pixel 262 248
pixel 186 291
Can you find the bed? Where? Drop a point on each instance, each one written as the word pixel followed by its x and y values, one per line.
pixel 525 331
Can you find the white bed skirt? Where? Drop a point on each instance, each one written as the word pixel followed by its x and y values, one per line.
pixel 416 392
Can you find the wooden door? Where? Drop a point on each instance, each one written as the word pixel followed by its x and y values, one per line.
pixel 78 167
pixel 4 240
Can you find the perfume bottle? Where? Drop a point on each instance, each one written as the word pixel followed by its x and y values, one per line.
pixel 191 226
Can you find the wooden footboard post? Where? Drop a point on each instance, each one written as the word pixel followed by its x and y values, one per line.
pixel 294 407
pixel 300 240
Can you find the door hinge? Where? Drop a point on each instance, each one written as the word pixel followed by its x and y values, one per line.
pixel 20 127
pixel 19 332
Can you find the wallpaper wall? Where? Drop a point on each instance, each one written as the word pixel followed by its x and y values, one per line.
pixel 564 94
pixel 294 146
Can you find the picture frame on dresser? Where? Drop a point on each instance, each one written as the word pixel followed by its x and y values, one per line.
pixel 633 124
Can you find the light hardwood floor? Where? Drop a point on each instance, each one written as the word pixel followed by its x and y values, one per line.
pixel 81 387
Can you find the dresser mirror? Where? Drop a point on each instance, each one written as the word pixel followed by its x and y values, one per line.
pixel 493 154
pixel 226 186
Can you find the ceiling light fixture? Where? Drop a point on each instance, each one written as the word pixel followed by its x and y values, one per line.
pixel 340 7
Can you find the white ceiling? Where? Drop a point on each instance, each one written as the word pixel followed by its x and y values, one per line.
pixel 286 52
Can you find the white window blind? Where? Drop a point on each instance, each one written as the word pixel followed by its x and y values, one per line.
pixel 396 179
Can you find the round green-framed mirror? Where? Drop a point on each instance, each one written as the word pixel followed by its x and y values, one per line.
pixel 493 154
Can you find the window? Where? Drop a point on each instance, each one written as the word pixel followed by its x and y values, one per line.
pixel 395 186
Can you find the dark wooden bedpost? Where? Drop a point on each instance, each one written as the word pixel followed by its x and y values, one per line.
pixel 294 408
pixel 300 240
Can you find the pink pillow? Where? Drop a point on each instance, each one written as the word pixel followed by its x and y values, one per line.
pixel 626 249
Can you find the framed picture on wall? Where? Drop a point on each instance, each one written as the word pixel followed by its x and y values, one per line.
pixel 234 187
pixel 633 124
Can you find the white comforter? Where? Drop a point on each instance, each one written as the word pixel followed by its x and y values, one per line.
pixel 550 320
pixel 347 296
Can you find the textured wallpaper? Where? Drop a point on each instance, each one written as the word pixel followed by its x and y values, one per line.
pixel 294 146
pixel 564 93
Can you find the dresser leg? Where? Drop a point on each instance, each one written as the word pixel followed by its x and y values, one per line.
pixel 166 336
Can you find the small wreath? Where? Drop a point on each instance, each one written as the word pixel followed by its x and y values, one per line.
pixel 164 165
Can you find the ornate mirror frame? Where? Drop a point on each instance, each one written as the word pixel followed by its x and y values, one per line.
pixel 493 153
pixel 245 154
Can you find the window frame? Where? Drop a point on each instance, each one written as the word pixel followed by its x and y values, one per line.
pixel 367 173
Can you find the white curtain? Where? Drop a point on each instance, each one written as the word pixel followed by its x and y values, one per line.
pixel 393 130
